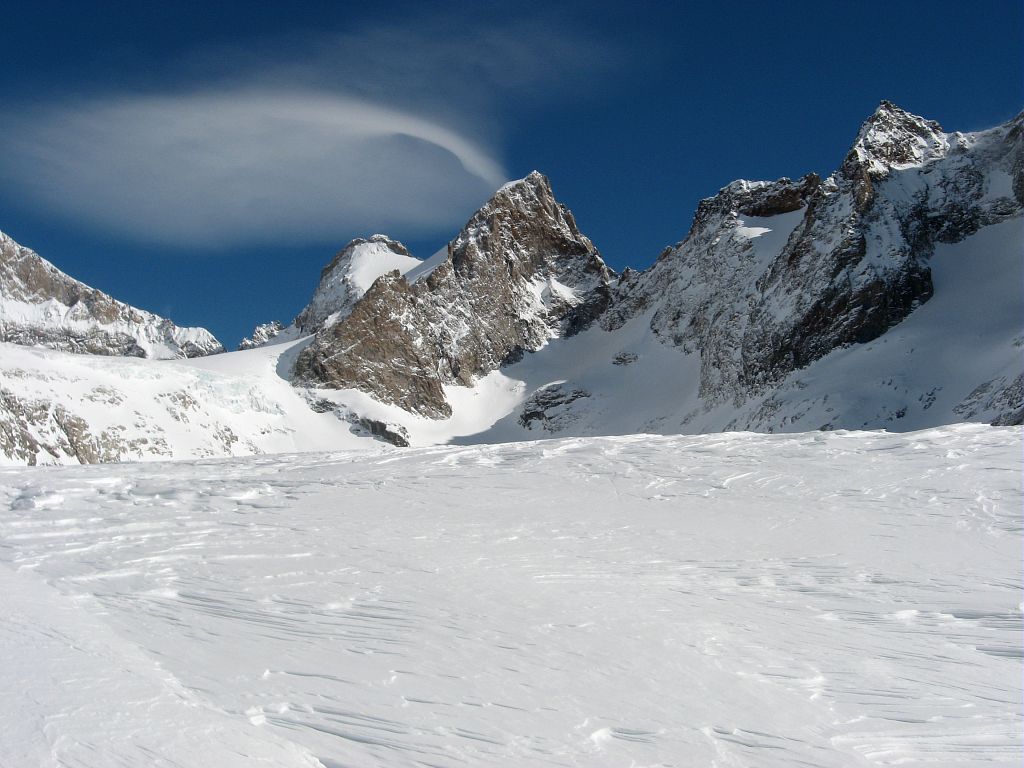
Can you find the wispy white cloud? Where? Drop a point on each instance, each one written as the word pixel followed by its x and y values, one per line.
pixel 237 166
pixel 384 129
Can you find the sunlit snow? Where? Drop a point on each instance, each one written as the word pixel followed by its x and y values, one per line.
pixel 823 599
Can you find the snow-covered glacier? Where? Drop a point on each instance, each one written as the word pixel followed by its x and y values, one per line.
pixel 819 599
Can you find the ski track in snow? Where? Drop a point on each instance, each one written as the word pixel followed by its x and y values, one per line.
pixel 822 599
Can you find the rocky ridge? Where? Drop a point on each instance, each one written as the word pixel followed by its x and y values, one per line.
pixel 790 305
pixel 342 283
pixel 518 274
pixel 853 264
pixel 42 306
pixel 847 258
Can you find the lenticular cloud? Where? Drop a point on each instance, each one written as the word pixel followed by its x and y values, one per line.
pixel 229 168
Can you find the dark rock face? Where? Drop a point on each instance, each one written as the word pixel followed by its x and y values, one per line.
pixel 518 273
pixel 549 408
pixel 42 306
pixel 374 350
pixel 389 433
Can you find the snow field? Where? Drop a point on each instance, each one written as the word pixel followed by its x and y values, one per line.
pixel 821 599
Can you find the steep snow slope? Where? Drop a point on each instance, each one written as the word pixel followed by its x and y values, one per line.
pixel 42 306
pixel 824 599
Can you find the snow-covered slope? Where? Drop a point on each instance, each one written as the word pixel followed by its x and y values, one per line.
pixel 60 408
pixel 827 599
pixel 42 306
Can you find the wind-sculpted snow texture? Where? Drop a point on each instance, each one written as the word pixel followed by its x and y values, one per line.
pixel 42 306
pixel 519 273
pixel 825 599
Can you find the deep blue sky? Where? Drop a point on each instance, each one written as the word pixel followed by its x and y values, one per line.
pixel 205 160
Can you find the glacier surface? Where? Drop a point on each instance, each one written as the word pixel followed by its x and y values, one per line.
pixel 817 599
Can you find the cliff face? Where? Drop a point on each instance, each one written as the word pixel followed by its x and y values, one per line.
pixel 519 273
pixel 42 306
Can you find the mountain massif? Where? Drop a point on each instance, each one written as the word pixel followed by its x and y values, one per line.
pixel 886 295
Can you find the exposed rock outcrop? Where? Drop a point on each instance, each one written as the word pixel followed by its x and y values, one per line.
pixel 262 334
pixel 853 262
pixel 348 276
pixel 519 273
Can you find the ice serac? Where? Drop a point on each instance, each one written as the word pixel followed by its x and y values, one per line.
pixel 776 275
pixel 518 274
pixel 42 306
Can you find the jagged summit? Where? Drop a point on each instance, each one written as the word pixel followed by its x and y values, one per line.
pixel 524 227
pixel 42 306
pixel 533 179
pixel 892 138
pixel 519 273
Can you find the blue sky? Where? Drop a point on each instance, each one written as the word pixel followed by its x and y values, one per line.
pixel 205 160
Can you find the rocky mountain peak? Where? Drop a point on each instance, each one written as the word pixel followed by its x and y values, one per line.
pixel 518 273
pixel 524 231
pixel 349 275
pixel 892 138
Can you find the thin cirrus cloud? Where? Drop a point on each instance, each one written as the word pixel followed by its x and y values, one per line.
pixel 245 165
